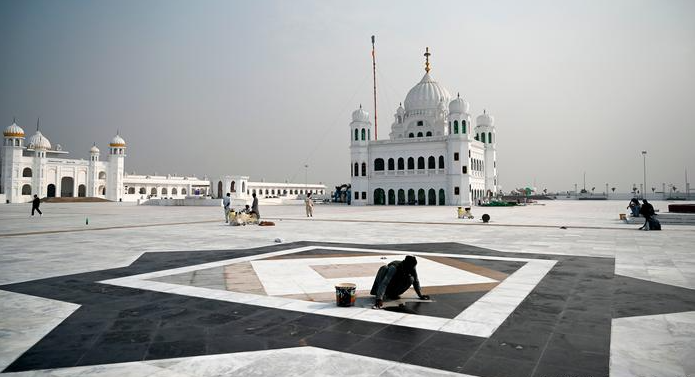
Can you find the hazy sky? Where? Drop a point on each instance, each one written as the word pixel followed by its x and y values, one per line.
pixel 261 88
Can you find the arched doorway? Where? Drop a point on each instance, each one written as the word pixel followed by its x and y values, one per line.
pixel 421 197
pixel 51 191
pixel 102 190
pixel 401 197
pixel 81 191
pixel 66 187
pixel 379 197
pixel 411 196
pixel 432 197
pixel 442 197
pixel 233 187
pixel 219 190
pixel 392 197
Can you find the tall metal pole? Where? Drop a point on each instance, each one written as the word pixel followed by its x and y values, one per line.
pixel 376 128
pixel 644 165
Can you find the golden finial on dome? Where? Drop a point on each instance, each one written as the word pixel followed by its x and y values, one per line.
pixel 427 59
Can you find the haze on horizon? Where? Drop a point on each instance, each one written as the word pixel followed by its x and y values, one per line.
pixel 263 88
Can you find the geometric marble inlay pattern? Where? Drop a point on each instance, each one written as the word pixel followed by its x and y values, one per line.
pixel 539 315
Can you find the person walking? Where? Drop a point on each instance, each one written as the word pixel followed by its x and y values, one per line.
pixel 227 204
pixel 35 205
pixel 254 206
pixel 309 204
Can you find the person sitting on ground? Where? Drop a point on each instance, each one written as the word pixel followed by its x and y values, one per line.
pixel 634 207
pixel 247 209
pixel 394 279
pixel 647 210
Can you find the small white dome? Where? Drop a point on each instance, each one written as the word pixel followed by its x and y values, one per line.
pixel 117 141
pixel 400 110
pixel 458 106
pixel 13 131
pixel 426 95
pixel 38 141
pixel 485 119
pixel 360 115
pixel 94 149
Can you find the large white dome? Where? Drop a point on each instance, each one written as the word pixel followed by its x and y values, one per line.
pixel 426 95
pixel 38 141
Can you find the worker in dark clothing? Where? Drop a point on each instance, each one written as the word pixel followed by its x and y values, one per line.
pixel 647 210
pixel 394 279
pixel 35 205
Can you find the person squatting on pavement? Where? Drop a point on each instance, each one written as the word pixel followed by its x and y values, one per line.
pixel 394 279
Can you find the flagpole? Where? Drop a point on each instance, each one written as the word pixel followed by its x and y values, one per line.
pixel 374 75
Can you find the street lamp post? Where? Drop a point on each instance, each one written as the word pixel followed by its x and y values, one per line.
pixel 644 165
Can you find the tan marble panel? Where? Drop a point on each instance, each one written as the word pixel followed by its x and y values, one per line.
pixel 240 277
pixel 336 271
pixel 461 265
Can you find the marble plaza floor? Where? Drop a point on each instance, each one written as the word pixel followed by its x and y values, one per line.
pixel 560 289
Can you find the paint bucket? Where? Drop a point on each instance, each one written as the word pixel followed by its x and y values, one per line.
pixel 345 294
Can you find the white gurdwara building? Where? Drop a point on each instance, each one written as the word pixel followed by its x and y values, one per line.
pixel 38 168
pixel 433 155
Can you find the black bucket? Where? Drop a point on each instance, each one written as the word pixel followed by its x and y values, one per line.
pixel 345 294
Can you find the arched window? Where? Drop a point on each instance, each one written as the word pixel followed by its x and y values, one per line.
pixel 420 162
pixel 131 190
pixel 243 187
pixel 456 126
pixel 143 191
pixel 153 191
pixel 401 196
pixel 431 197
pixel 428 134
pixel 411 196
pixel 391 165
pixel 419 134
pixel 421 200
pixel 379 197
pixel 165 191
pixel 26 173
pixel 392 197
pixel 102 175
pixel 183 191
pixel 489 137
pixel 26 190
pixel 233 186
pixel 369 134
pixel 442 197
pixel 357 169
pixel 411 163
pixel 81 191
pixel 483 137
pixel 357 134
pixel 174 191
pixel 379 164
pixel 441 162
pixel 477 137
pixel 401 165
pixel 364 169
pixel 219 190
pixel 364 134
pixel 431 163
pixel 51 191
pixel 400 120
pixel 411 135
pixel 463 126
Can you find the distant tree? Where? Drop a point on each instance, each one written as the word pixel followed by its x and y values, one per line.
pixel 613 189
pixel 545 191
pixel 653 189
pixel 592 190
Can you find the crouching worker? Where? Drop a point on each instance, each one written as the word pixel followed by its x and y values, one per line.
pixel 394 279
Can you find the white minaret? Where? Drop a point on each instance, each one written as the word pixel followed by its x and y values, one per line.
pixel 485 131
pixel 360 135
pixel 459 134
pixel 116 168
pixel 13 143
pixel 93 173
